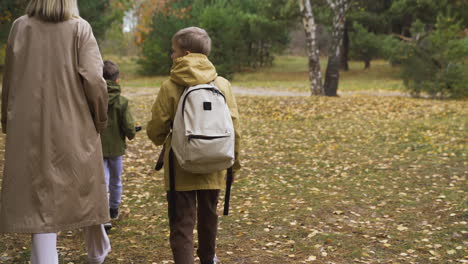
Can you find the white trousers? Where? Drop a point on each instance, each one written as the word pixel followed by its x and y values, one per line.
pixel 44 246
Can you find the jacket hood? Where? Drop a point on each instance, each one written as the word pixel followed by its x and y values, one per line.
pixel 113 89
pixel 192 69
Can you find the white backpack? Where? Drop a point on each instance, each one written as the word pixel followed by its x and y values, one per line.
pixel 202 132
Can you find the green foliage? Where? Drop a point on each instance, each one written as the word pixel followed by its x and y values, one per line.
pixel 241 32
pixel 156 50
pixel 434 62
pixel 224 29
pixel 371 15
pixel 403 13
pixel 365 45
pixel 98 13
pixel 101 13
pixel 397 16
pixel 9 11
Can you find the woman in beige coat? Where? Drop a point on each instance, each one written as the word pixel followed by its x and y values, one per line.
pixel 54 104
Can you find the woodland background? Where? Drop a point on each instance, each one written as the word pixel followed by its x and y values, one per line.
pixel 376 174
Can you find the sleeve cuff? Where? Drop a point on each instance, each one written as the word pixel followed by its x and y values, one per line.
pixel 100 126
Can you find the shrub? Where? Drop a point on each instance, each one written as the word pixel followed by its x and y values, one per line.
pixel 434 61
pixel 241 32
pixel 155 56
pixel 365 45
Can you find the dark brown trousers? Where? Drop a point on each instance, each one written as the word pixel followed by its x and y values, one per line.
pixel 190 206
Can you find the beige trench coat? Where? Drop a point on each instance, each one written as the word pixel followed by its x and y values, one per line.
pixel 54 104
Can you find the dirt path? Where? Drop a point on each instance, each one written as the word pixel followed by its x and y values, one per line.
pixel 267 92
pixel 150 91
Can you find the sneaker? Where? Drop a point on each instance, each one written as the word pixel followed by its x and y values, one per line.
pixel 214 261
pixel 108 226
pixel 114 213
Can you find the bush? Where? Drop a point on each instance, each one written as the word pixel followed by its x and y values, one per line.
pixel 434 62
pixel 155 56
pixel 365 45
pixel 224 26
pixel 241 32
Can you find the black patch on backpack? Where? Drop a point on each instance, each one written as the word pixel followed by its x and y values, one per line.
pixel 207 106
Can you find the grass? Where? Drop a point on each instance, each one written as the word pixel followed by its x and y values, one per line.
pixel 291 73
pixel 288 73
pixel 355 179
pixel 130 76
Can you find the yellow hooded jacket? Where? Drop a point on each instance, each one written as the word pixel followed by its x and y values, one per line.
pixel 187 71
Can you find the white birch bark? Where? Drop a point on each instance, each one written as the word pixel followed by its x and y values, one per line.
pixel 310 28
pixel 339 8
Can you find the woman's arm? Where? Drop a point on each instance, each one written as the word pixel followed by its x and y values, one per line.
pixel 90 68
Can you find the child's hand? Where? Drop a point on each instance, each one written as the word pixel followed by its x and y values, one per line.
pixel 137 128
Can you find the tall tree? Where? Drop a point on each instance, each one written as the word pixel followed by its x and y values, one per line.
pixel 345 49
pixel 332 75
pixel 310 28
pixel 366 45
pixel 373 17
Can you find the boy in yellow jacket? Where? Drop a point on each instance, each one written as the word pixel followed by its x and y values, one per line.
pixel 196 194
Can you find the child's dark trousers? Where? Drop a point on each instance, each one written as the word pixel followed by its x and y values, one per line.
pixel 194 206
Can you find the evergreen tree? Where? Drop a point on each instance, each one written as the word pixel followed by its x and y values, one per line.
pixel 433 61
pixel 365 45
pixel 241 32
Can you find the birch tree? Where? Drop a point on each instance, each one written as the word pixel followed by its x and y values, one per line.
pixel 332 74
pixel 310 28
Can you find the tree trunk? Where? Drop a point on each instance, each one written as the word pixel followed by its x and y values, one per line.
pixel 345 50
pixel 367 64
pixel 332 75
pixel 310 28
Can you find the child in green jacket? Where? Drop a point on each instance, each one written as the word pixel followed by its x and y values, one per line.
pixel 120 125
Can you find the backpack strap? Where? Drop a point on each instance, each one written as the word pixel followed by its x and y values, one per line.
pixel 172 191
pixel 227 195
pixel 160 162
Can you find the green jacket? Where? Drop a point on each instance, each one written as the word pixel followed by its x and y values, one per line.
pixel 119 124
pixel 186 71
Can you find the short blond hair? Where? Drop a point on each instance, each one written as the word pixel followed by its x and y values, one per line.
pixel 53 10
pixel 193 39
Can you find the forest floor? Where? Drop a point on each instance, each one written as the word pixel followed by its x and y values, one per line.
pixel 358 178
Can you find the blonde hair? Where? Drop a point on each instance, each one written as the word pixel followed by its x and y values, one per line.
pixel 193 39
pixel 53 10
